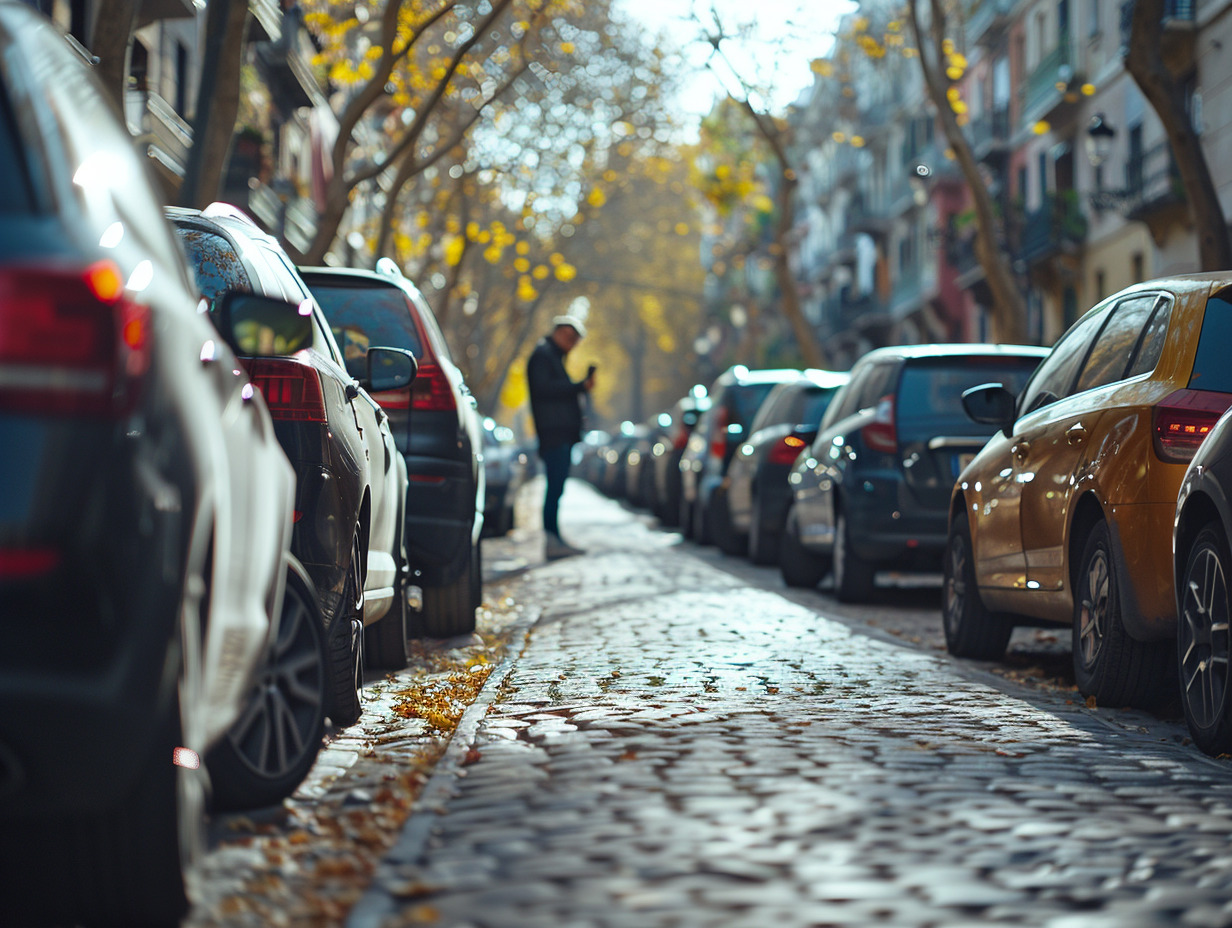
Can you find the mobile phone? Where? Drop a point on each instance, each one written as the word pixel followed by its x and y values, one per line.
pixel 590 371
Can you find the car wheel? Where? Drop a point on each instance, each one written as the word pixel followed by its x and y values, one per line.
pixel 346 652
pixel 701 521
pixel 449 610
pixel 272 746
pixel 729 541
pixel 970 629
pixel 385 640
pixel 1108 664
pixel 763 543
pixel 853 576
pixel 1204 643
pixel 686 518
pixel 799 566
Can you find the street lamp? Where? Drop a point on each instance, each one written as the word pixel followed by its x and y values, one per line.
pixel 1099 140
pixel 919 178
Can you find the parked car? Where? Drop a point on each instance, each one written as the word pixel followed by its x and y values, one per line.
pixel 588 460
pixel 504 465
pixel 1201 567
pixel 639 462
pixel 756 485
pixel 145 513
pixel 873 491
pixel 734 400
pixel 1067 514
pixel 438 431
pixel 351 484
pixel 684 415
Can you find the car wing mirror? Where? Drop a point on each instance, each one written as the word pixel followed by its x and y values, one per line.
pixel 390 369
pixel 258 326
pixel 989 404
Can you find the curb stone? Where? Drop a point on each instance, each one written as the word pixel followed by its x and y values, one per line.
pixel 399 865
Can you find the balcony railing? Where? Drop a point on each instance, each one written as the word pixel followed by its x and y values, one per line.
pixel 1175 11
pixel 990 132
pixel 986 15
pixel 1054 68
pixel 159 128
pixel 1151 182
pixel 1058 225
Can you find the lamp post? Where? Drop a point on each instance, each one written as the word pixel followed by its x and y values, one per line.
pixel 1099 140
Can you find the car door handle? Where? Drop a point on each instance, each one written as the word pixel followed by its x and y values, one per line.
pixel 1076 434
pixel 1020 450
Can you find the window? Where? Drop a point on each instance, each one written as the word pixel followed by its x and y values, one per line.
pixel 1138 269
pixel 1211 370
pixel 1151 345
pixel 1055 376
pixel 1094 17
pixel 1108 361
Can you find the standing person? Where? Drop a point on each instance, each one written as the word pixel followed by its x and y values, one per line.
pixel 556 406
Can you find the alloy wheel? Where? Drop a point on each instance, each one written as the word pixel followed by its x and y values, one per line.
pixel 1093 618
pixel 1204 643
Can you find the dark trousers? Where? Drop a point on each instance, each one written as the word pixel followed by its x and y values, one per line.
pixel 556 460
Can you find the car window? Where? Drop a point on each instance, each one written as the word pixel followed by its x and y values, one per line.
pixel 1211 370
pixel 1151 344
pixel 215 262
pixel 845 402
pixel 879 383
pixel 929 397
pixel 362 316
pixel 1108 360
pixel 1056 373
pixel 745 399
pixel 19 194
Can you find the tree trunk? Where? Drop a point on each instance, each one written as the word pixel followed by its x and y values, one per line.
pixel 1008 310
pixel 218 103
pixel 811 351
pixel 114 22
pixel 1158 84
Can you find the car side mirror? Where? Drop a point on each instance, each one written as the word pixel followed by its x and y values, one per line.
pixel 263 327
pixel 989 404
pixel 390 369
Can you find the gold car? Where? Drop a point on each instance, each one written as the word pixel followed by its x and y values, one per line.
pixel 1066 514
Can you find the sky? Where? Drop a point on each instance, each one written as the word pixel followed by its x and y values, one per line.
pixel 790 34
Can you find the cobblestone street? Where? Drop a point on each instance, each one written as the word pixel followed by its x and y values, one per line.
pixel 675 746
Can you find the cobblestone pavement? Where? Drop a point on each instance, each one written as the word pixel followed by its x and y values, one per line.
pixel 676 747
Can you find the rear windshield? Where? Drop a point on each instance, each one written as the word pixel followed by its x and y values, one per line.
pixel 367 317
pixel 930 392
pixel 744 399
pixel 1211 370
pixel 811 405
pixel 215 263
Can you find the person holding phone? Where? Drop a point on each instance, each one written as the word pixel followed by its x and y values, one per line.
pixel 556 407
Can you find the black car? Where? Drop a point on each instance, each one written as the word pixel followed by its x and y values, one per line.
pixel 735 397
pixel 873 491
pixel 756 486
pixel 436 426
pixel 351 491
pixel 683 417
pixel 145 513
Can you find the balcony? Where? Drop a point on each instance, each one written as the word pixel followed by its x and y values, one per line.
pixel 842 311
pixel 290 217
pixel 1152 191
pixel 990 135
pixel 1179 33
pixel 1052 82
pixel 159 130
pixel 988 19
pixel 1058 226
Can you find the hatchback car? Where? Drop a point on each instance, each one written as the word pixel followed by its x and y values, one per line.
pixel 873 491
pixel 1066 516
pixel 683 418
pixel 735 398
pixel 145 512
pixel 351 492
pixel 757 491
pixel 437 428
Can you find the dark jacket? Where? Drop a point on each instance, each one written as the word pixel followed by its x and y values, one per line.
pixel 555 400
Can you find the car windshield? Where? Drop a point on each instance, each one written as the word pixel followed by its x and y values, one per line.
pixel 929 400
pixel 215 263
pixel 361 317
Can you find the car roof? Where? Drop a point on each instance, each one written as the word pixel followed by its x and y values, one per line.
pixel 958 349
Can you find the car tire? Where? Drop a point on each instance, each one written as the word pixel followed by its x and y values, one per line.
pixel 270 749
pixel 1204 643
pixel 449 610
pixel 728 540
pixel 686 519
pixel 1109 665
pixel 763 544
pixel 971 631
pixel 346 652
pixel 701 521
pixel 799 566
pixel 853 576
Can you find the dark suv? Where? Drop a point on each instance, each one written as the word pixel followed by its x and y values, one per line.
pixel 873 490
pixel 437 429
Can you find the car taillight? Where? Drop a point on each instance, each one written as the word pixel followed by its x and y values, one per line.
pixel 786 451
pixel 430 390
pixel 292 389
pixel 718 433
pixel 681 439
pixel 1183 419
pixel 71 341
pixel 882 433
pixel 27 563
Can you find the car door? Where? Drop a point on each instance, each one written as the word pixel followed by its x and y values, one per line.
pixel 1066 448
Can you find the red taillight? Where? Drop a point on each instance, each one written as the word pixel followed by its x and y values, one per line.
pixel 430 391
pixel 882 434
pixel 718 433
pixel 786 451
pixel 27 563
pixel 1183 419
pixel 681 439
pixel 292 389
pixel 70 342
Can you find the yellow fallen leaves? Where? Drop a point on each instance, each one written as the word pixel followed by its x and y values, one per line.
pixel 441 700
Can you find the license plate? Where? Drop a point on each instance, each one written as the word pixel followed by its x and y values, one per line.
pixel 961 461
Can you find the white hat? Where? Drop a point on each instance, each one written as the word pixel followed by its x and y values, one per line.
pixel 573 322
